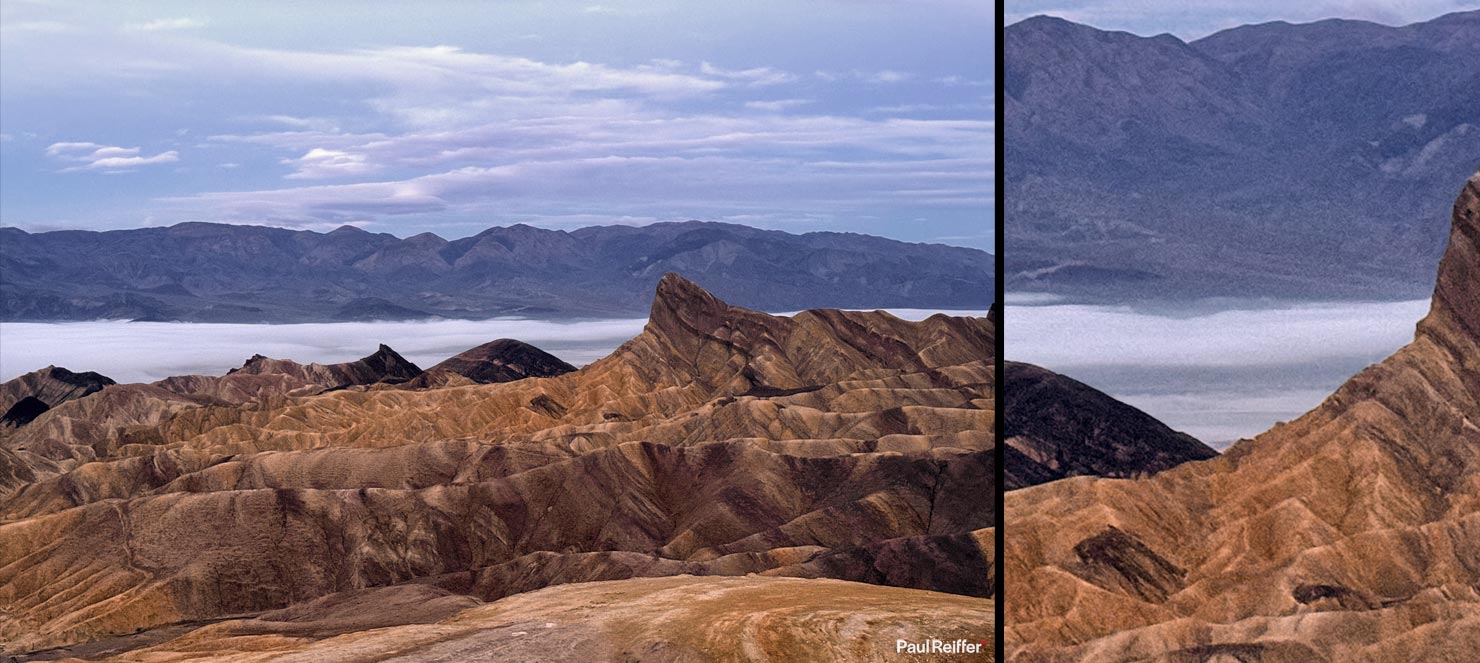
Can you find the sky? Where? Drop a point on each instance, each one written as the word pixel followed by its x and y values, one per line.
pixel 844 115
pixel 1192 20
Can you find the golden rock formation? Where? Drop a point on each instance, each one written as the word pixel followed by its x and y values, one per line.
pixel 718 442
pixel 1350 534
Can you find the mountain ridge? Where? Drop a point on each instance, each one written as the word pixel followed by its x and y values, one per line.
pixel 206 272
pixel 1286 161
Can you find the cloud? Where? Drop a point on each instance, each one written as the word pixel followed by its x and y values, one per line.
pixel 315 123
pixel 1054 335
pixel 960 81
pixel 1218 375
pixel 36 27
pixel 688 166
pixel 157 350
pixel 319 163
pixel 451 133
pixel 166 24
pixel 105 158
pixel 777 105
pixel 755 76
pixel 880 77
pixel 885 76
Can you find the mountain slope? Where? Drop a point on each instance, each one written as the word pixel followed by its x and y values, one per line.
pixel 224 273
pixel 1299 161
pixel 718 442
pixel 24 398
pixel 1350 534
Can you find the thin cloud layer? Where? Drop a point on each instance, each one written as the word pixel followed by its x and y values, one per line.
pixel 1219 376
pixel 157 350
pixel 104 158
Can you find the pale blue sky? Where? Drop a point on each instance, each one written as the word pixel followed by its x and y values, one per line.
pixel 858 115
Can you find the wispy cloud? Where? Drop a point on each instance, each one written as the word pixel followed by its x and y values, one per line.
pixel 319 163
pixel 886 76
pixel 166 24
pixel 776 105
pixel 105 158
pixel 36 27
pixel 752 76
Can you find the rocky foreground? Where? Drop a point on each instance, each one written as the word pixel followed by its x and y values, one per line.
pixel 835 466
pixel 1350 534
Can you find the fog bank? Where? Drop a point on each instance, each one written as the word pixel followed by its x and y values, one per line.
pixel 1217 375
pixel 149 351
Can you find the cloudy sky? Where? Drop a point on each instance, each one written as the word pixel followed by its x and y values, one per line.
pixel 859 115
pixel 1191 20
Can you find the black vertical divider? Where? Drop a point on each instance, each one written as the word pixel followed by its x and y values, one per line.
pixel 999 644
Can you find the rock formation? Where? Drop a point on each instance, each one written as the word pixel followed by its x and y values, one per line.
pixel 80 430
pixel 1350 534
pixel 718 442
pixel 1056 427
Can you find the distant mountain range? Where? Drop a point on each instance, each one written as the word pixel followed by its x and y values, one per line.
pixel 228 273
pixel 1269 160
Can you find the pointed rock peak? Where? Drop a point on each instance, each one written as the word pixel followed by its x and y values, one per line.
pixel 1456 307
pixel 384 352
pixel 677 290
pixel 390 364
pixel 680 304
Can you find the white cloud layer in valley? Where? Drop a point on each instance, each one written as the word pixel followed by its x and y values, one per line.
pixel 149 351
pixel 1216 374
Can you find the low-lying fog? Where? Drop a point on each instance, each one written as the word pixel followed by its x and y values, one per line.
pixel 1221 372
pixel 149 351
